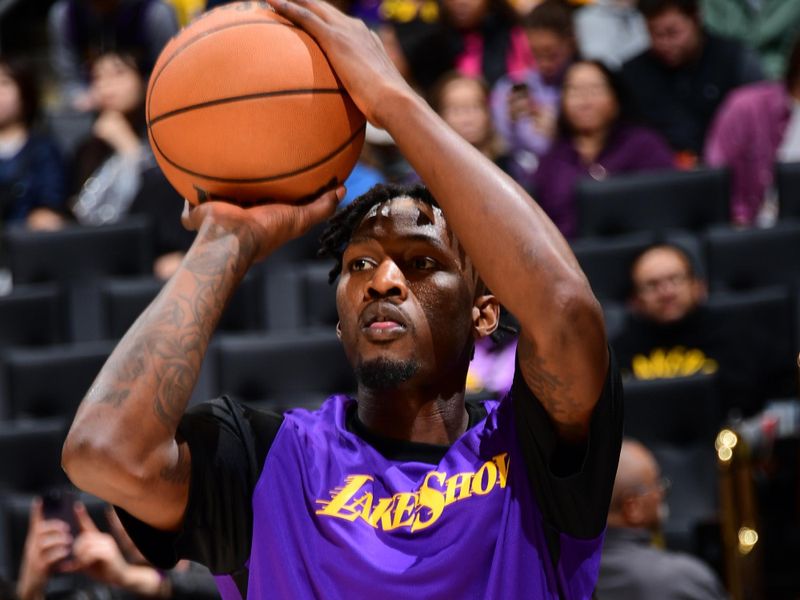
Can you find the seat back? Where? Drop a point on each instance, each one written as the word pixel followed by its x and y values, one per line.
pixel 745 259
pixel 32 315
pixel 657 200
pixel 283 368
pixel 51 381
pixel 787 180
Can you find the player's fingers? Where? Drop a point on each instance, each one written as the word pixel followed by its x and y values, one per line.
pixel 84 520
pixel 322 207
pixel 307 16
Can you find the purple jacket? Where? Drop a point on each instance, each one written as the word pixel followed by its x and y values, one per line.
pixel 745 136
pixel 629 149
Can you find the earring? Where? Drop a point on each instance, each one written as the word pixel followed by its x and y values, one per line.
pixel 339 329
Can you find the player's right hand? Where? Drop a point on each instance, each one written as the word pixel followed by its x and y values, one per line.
pixel 262 229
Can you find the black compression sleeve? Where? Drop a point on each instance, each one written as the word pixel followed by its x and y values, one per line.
pixel 228 444
pixel 572 483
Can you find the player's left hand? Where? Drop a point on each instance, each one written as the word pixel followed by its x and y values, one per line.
pixel 355 53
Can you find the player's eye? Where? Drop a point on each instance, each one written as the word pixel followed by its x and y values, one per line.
pixel 361 264
pixel 424 263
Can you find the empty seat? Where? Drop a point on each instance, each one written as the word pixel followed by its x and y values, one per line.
pixel 283 369
pixel 765 324
pixel 751 258
pixel 77 253
pixel 31 452
pixel 32 315
pixel 660 200
pixel 77 257
pixel 299 296
pixel 51 381
pixel 787 180
pixel 678 419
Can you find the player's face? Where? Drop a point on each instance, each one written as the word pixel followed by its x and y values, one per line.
pixel 405 296
pixel 675 37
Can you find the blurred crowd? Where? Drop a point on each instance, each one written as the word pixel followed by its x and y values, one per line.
pixel 555 93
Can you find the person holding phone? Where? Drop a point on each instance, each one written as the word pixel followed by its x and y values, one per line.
pixel 525 108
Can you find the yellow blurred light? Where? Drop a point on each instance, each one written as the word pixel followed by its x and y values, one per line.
pixel 726 439
pixel 747 539
pixel 725 454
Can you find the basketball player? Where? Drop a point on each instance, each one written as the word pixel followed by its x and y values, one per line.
pixel 404 490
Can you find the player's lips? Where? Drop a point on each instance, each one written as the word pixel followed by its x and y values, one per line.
pixel 383 321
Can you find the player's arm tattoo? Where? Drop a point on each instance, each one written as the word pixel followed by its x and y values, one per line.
pixel 162 353
pixel 553 390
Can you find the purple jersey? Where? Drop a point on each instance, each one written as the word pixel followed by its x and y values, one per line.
pixel 333 516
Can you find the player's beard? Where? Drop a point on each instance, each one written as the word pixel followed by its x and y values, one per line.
pixel 385 374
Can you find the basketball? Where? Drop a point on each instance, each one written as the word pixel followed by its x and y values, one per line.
pixel 243 107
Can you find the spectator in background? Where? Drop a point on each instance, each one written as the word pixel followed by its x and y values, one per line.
pixel 680 82
pixel 463 103
pixel 100 557
pixel 767 26
pixel 32 180
pixel 81 30
pixel 487 41
pixel 611 31
pixel 595 139
pixel 670 332
pixel 631 567
pixel 112 165
pixel 525 108
pixel 756 126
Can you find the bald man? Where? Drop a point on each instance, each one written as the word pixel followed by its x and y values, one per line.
pixel 630 567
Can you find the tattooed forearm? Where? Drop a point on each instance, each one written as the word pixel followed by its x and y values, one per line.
pixel 554 392
pixel 161 355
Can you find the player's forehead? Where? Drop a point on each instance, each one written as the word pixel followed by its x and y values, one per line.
pixel 405 217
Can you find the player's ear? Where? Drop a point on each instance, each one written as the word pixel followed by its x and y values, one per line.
pixel 485 315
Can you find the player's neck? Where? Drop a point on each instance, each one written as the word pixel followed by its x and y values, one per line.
pixel 416 417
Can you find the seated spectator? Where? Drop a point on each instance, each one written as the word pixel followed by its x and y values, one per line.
pixel 463 103
pixel 611 31
pixel 670 332
pixel 767 26
pixel 114 163
pixel 757 125
pixel 631 567
pixel 33 190
pixel 80 30
pixel 525 108
pixel 100 558
pixel 595 139
pixel 680 82
pixel 487 41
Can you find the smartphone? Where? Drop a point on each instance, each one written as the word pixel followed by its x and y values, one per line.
pixel 58 503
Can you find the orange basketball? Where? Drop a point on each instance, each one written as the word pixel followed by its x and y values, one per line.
pixel 242 106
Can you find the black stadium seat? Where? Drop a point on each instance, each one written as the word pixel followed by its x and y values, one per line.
pixel 31 452
pixel 677 419
pixel 746 259
pixel 77 257
pixel 80 253
pixel 283 369
pixel 787 180
pixel 656 200
pixel 299 295
pixel 32 315
pixel 51 381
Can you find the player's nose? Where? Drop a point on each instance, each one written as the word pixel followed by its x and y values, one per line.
pixel 387 281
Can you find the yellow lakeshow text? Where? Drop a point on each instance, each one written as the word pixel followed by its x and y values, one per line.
pixel 419 509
